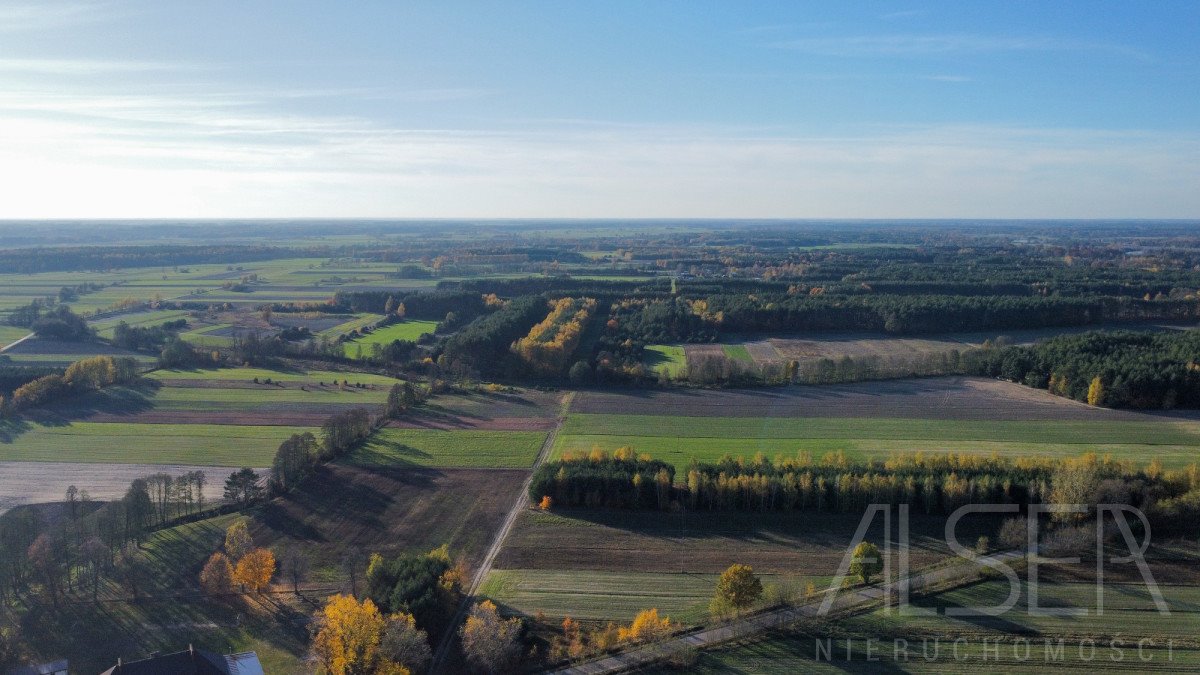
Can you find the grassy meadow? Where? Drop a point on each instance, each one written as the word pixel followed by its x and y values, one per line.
pixel 679 439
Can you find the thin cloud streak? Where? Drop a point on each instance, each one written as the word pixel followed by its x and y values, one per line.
pixel 218 164
pixel 933 45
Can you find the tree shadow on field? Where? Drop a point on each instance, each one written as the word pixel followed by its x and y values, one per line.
pixel 341 495
pixel 116 401
pixel 990 623
pixel 12 429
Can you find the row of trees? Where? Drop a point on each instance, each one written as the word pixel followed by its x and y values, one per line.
pixel 85 375
pixel 933 483
pixel 621 480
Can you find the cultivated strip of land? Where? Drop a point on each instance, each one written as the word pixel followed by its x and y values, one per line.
pixel 521 504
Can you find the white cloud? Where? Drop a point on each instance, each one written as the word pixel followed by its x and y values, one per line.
pixel 212 158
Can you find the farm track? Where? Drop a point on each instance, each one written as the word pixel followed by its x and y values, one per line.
pixel 485 567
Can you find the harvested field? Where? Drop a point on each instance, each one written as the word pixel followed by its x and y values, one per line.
pixel 703 351
pixel 708 542
pixel 947 398
pixel 389 510
pixel 41 482
pixel 601 596
pixel 247 375
pixel 898 349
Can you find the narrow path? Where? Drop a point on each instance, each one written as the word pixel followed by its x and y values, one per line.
pixel 701 638
pixel 16 342
pixel 506 527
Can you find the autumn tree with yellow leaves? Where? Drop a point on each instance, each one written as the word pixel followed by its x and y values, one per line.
pixel 549 345
pixel 646 627
pixel 490 642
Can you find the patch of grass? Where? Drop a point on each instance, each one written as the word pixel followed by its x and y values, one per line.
pixel 105 327
pixel 359 321
pixel 201 338
pixel 195 444
pixel 436 448
pixel 10 334
pixel 669 359
pixel 737 353
pixel 406 330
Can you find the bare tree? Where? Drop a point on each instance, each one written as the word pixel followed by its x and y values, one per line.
pixel 352 560
pixel 295 567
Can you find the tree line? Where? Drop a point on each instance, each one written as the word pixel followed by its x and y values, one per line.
pixel 932 483
pixel 1120 369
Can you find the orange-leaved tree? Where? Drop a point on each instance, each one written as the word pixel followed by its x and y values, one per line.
pixel 255 569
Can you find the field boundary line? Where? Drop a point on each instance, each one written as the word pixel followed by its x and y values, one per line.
pixel 485 567
pixel 703 638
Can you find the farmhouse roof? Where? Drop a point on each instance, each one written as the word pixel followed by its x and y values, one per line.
pixel 191 662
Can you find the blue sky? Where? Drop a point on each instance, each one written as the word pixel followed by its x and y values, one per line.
pixel 600 109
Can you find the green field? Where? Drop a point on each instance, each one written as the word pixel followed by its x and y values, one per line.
pixel 737 353
pixel 197 444
pixel 408 331
pixel 105 327
pixel 679 439
pixel 201 337
pixel 10 334
pixel 668 359
pixel 359 321
pixel 436 448
pixel 1128 616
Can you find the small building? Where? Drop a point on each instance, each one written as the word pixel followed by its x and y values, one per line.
pixel 191 662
